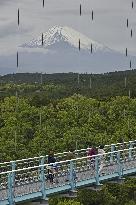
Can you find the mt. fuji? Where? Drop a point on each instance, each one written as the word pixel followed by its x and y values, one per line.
pixel 60 53
pixel 59 36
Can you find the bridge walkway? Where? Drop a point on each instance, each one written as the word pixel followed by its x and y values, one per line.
pixel 31 182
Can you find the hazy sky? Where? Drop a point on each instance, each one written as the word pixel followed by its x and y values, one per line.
pixel 108 27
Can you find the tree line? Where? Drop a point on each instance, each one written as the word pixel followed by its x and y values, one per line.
pixel 100 86
pixel 27 130
pixel 109 194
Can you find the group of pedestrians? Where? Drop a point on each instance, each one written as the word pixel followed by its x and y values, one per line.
pixel 91 152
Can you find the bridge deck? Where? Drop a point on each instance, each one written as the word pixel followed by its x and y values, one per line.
pixel 33 182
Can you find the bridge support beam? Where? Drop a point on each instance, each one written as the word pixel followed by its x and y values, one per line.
pixel 42 177
pixel 70 194
pixel 119 166
pixel 117 181
pixel 38 202
pixel 97 171
pixel 112 154
pixel 10 189
pixel 130 150
pixel 72 176
pixel 31 203
pixel 73 193
pixel 94 188
pixel 44 202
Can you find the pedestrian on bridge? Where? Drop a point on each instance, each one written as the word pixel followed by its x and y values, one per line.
pixel 90 153
pixel 101 158
pixel 51 159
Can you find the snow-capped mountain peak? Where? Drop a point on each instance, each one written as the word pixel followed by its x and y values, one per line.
pixel 60 53
pixel 64 35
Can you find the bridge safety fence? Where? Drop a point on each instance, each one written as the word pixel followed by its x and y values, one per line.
pixel 70 174
pixel 35 161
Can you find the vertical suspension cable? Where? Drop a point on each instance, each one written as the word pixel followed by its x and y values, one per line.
pixel 78 75
pixel 79 24
pixel 127 23
pixel 92 15
pixel 130 64
pixel 18 14
pixel 42 40
pixel 18 22
pixel 43 3
pixel 132 4
pixel 42 44
pixel 16 93
pixel 17 59
pixel 42 31
pixel 80 10
pixel 91 47
pixel 79 45
pixel 126 52
pixel 18 32
pixel 131 33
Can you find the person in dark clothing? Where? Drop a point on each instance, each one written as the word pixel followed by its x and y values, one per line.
pixel 51 159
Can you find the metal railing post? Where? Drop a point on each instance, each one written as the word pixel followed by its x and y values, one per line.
pixel 10 189
pixel 72 175
pixel 13 164
pixel 119 165
pixel 97 170
pixel 130 149
pixel 42 178
pixel 112 154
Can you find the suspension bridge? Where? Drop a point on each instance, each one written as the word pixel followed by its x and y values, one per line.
pixel 27 179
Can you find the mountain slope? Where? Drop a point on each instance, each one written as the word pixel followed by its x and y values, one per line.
pixel 60 53
pixel 64 35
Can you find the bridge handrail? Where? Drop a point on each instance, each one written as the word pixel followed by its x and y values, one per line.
pixel 20 160
pixel 27 159
pixel 61 162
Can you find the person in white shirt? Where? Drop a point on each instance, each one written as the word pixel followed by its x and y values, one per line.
pixel 102 157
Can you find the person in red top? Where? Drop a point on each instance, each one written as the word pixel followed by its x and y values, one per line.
pixel 91 152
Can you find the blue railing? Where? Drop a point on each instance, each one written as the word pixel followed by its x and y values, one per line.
pixel 36 161
pixel 43 180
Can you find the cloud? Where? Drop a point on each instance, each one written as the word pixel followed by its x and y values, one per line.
pixel 11 29
pixel 7 2
pixel 108 27
pixel 2 2
pixel 62 12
